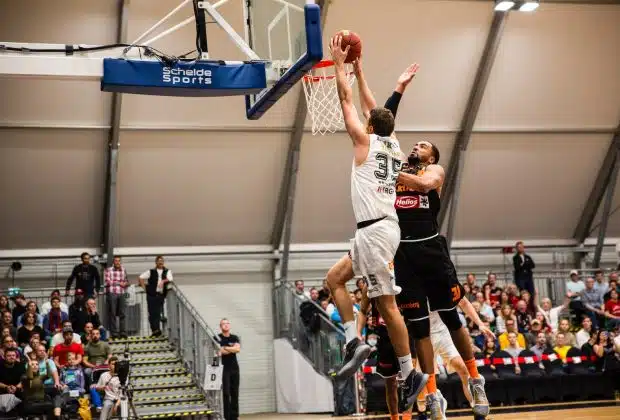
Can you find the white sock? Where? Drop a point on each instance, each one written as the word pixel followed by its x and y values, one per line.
pixel 406 365
pixel 350 330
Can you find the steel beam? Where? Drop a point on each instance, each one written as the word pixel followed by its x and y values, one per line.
pixel 595 198
pixel 609 198
pixel 286 199
pixel 453 175
pixel 109 219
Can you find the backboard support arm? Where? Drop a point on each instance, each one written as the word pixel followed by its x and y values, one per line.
pixel 201 31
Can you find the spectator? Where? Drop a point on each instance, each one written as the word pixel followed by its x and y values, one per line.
pixel 7 322
pixel 561 346
pixel 328 307
pixel 230 346
pixel 31 347
pixel 86 277
pixel 612 310
pixel 511 327
pixel 529 303
pixel 325 293
pixel 110 384
pixel 504 299
pixel 47 368
pixel 592 300
pixel 523 318
pixel 34 398
pixel 543 322
pixel 11 372
pixel 467 292
pixel 31 307
pixel 314 296
pixel 583 335
pixel 470 280
pixel 485 308
pixel 513 347
pixel 116 284
pixel 532 335
pixel 58 338
pixel 9 343
pixel 4 303
pixel 599 281
pixel 72 376
pixel 62 350
pixel 96 353
pixel 574 289
pixel 299 290
pixel 523 266
pixel 92 316
pixel 504 315
pixel 564 328
pixel 552 314
pixel 602 348
pixel 495 291
pixel 47 306
pixel 77 311
pixel 513 294
pixel 87 334
pixel 155 282
pixel 358 296
pixel 25 331
pixel 541 345
pixel 55 316
pixel 19 309
pixel 613 285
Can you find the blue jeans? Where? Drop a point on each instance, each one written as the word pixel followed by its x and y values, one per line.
pixel 95 398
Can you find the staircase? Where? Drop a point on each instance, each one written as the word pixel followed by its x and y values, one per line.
pixel 162 385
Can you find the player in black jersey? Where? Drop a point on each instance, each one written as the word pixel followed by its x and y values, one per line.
pixel 423 267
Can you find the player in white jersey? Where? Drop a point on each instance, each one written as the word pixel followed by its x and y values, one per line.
pixel 376 165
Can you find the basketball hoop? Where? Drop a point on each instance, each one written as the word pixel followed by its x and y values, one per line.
pixel 322 97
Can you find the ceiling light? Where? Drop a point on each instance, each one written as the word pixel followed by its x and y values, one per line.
pixel 529 6
pixel 504 6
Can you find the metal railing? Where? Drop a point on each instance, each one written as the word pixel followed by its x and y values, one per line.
pixel 195 342
pixel 319 340
pixel 191 336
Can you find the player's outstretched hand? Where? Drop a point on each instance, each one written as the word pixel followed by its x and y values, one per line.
pixel 408 74
pixel 335 47
pixel 486 331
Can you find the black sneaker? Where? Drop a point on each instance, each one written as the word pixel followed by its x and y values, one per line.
pixel 355 353
pixel 412 385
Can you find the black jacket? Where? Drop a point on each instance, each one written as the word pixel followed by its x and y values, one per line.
pixel 523 268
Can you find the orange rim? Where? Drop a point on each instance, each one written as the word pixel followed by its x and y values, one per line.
pixel 321 65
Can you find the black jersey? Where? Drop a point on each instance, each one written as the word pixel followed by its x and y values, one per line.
pixel 377 324
pixel 417 212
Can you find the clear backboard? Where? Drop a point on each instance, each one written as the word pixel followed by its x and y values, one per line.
pixel 287 34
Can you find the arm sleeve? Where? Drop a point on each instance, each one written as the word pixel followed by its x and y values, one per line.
pixel 393 101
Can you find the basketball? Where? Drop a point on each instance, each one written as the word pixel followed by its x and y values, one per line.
pixel 352 39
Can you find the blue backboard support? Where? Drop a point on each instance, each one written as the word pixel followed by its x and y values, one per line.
pixel 257 105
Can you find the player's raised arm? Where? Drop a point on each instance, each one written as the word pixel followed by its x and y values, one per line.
pixel 401 84
pixel 366 97
pixel 431 179
pixel 345 93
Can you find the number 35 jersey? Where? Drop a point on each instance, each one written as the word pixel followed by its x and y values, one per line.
pixel 373 183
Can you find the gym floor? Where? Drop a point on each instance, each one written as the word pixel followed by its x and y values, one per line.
pixel 522 412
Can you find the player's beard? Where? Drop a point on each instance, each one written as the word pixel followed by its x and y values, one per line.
pixel 415 164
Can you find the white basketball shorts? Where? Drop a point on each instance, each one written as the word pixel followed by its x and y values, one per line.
pixel 444 347
pixel 372 254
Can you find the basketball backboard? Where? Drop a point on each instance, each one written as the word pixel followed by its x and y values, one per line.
pixel 287 34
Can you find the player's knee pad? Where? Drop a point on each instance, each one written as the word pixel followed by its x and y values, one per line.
pixel 451 319
pixel 418 329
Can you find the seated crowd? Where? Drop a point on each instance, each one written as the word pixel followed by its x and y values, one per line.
pixel 52 357
pixel 587 320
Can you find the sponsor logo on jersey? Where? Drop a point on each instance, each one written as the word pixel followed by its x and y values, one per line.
pixel 409 305
pixel 412 202
pixel 403 188
pixel 385 189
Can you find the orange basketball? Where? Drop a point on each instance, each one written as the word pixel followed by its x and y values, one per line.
pixel 352 39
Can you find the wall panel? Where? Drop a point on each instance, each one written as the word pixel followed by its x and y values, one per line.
pixel 534 186
pixel 196 188
pixel 52 186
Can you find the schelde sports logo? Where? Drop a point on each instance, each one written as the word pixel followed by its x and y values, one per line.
pixel 186 76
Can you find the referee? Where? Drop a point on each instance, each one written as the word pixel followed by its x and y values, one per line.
pixel 230 346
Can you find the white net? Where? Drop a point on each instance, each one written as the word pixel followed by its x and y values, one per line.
pixel 322 97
